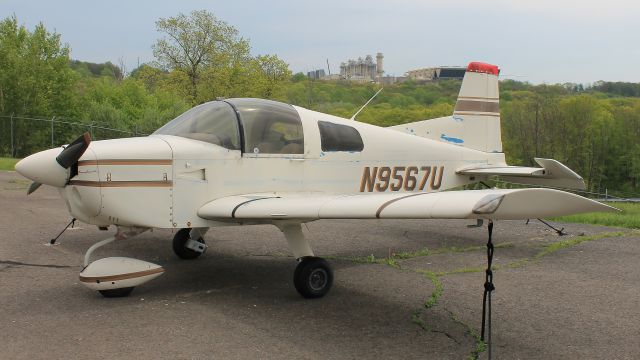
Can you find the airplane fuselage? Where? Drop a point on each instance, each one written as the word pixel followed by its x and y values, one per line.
pixel 161 181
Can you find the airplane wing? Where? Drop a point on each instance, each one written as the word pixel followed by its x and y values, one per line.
pixel 497 204
pixel 552 173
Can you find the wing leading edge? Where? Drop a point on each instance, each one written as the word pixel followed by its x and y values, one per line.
pixel 497 204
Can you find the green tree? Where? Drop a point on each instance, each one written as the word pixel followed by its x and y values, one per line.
pixel 196 42
pixel 35 78
pixel 273 72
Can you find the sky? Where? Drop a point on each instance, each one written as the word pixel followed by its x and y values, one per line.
pixel 541 41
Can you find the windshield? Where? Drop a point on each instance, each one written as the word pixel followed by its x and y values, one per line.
pixel 213 122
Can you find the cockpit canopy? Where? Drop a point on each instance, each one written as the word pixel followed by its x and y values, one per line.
pixel 268 127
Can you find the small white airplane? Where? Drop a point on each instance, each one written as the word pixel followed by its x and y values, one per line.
pixel 251 161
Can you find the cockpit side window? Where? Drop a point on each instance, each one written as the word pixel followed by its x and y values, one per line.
pixel 213 122
pixel 270 127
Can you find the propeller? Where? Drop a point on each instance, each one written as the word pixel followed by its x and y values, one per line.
pixel 42 169
pixel 33 187
pixel 74 151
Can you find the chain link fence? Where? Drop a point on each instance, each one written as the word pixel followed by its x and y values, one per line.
pixel 21 136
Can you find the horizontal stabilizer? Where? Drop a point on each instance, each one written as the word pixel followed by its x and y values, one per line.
pixel 497 204
pixel 552 173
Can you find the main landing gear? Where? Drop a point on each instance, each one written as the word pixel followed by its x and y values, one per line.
pixel 313 276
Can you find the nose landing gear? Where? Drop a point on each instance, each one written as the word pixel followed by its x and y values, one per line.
pixel 117 276
pixel 115 293
pixel 188 244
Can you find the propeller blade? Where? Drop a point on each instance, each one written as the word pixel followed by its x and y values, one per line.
pixel 74 151
pixel 33 187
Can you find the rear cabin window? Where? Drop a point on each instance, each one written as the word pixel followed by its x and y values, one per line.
pixel 337 137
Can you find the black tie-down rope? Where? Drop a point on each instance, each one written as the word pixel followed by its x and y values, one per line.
pixel 71 223
pixel 486 298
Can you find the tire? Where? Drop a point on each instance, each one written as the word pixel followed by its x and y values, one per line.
pixel 179 248
pixel 313 277
pixel 116 293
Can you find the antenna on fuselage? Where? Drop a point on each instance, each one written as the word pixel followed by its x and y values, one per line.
pixel 365 104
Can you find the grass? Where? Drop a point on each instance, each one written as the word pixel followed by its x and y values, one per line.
pixel 8 163
pixel 444 250
pixel 546 250
pixel 415 318
pixel 628 218
pixel 551 248
pixel 438 288
pixel 392 260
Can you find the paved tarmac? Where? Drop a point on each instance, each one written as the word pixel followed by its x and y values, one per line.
pixel 238 302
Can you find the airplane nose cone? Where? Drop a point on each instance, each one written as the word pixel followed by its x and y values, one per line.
pixel 42 167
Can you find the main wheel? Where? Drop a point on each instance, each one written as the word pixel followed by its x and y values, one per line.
pixel 313 277
pixel 179 242
pixel 114 293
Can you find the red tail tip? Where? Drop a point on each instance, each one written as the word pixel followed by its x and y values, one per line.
pixel 483 68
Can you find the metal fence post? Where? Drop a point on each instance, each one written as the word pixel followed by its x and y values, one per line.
pixel 13 152
pixel 52 119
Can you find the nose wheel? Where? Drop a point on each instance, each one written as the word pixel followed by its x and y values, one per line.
pixel 115 293
pixel 187 248
pixel 313 277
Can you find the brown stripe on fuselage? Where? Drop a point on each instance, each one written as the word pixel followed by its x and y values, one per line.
pixel 121 276
pixel 394 200
pixel 167 183
pixel 125 162
pixel 481 106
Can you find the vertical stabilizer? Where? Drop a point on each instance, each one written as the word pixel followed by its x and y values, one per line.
pixel 478 107
pixel 475 122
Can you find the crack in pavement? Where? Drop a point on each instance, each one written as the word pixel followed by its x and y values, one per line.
pixel 446 334
pixel 416 319
pixel 480 347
